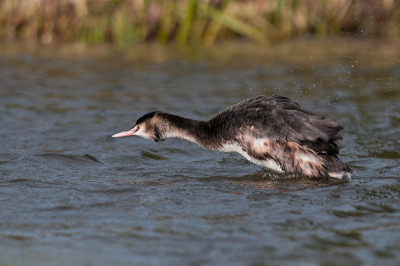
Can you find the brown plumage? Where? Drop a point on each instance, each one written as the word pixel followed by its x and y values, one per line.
pixel 273 132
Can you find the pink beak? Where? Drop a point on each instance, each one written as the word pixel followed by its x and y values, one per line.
pixel 125 133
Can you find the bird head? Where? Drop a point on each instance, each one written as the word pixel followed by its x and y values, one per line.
pixel 145 127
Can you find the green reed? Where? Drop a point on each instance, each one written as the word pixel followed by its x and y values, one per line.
pixel 193 21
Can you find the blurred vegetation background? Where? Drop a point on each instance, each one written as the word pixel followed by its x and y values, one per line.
pixel 200 22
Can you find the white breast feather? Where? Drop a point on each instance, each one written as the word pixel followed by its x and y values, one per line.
pixel 234 147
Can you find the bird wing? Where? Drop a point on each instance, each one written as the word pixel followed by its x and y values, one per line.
pixel 280 119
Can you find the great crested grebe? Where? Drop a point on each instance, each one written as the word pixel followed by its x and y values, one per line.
pixel 272 132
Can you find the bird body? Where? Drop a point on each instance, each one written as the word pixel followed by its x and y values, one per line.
pixel 272 132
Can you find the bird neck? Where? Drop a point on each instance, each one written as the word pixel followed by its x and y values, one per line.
pixel 196 131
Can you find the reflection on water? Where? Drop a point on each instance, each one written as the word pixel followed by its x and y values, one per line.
pixel 72 194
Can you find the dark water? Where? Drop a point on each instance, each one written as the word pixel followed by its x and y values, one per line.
pixel 71 195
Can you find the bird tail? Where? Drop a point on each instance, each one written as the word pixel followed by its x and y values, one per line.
pixel 336 168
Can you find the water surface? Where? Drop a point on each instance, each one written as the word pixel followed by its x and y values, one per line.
pixel 72 195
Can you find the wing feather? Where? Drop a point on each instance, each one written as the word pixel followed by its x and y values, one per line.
pixel 279 118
